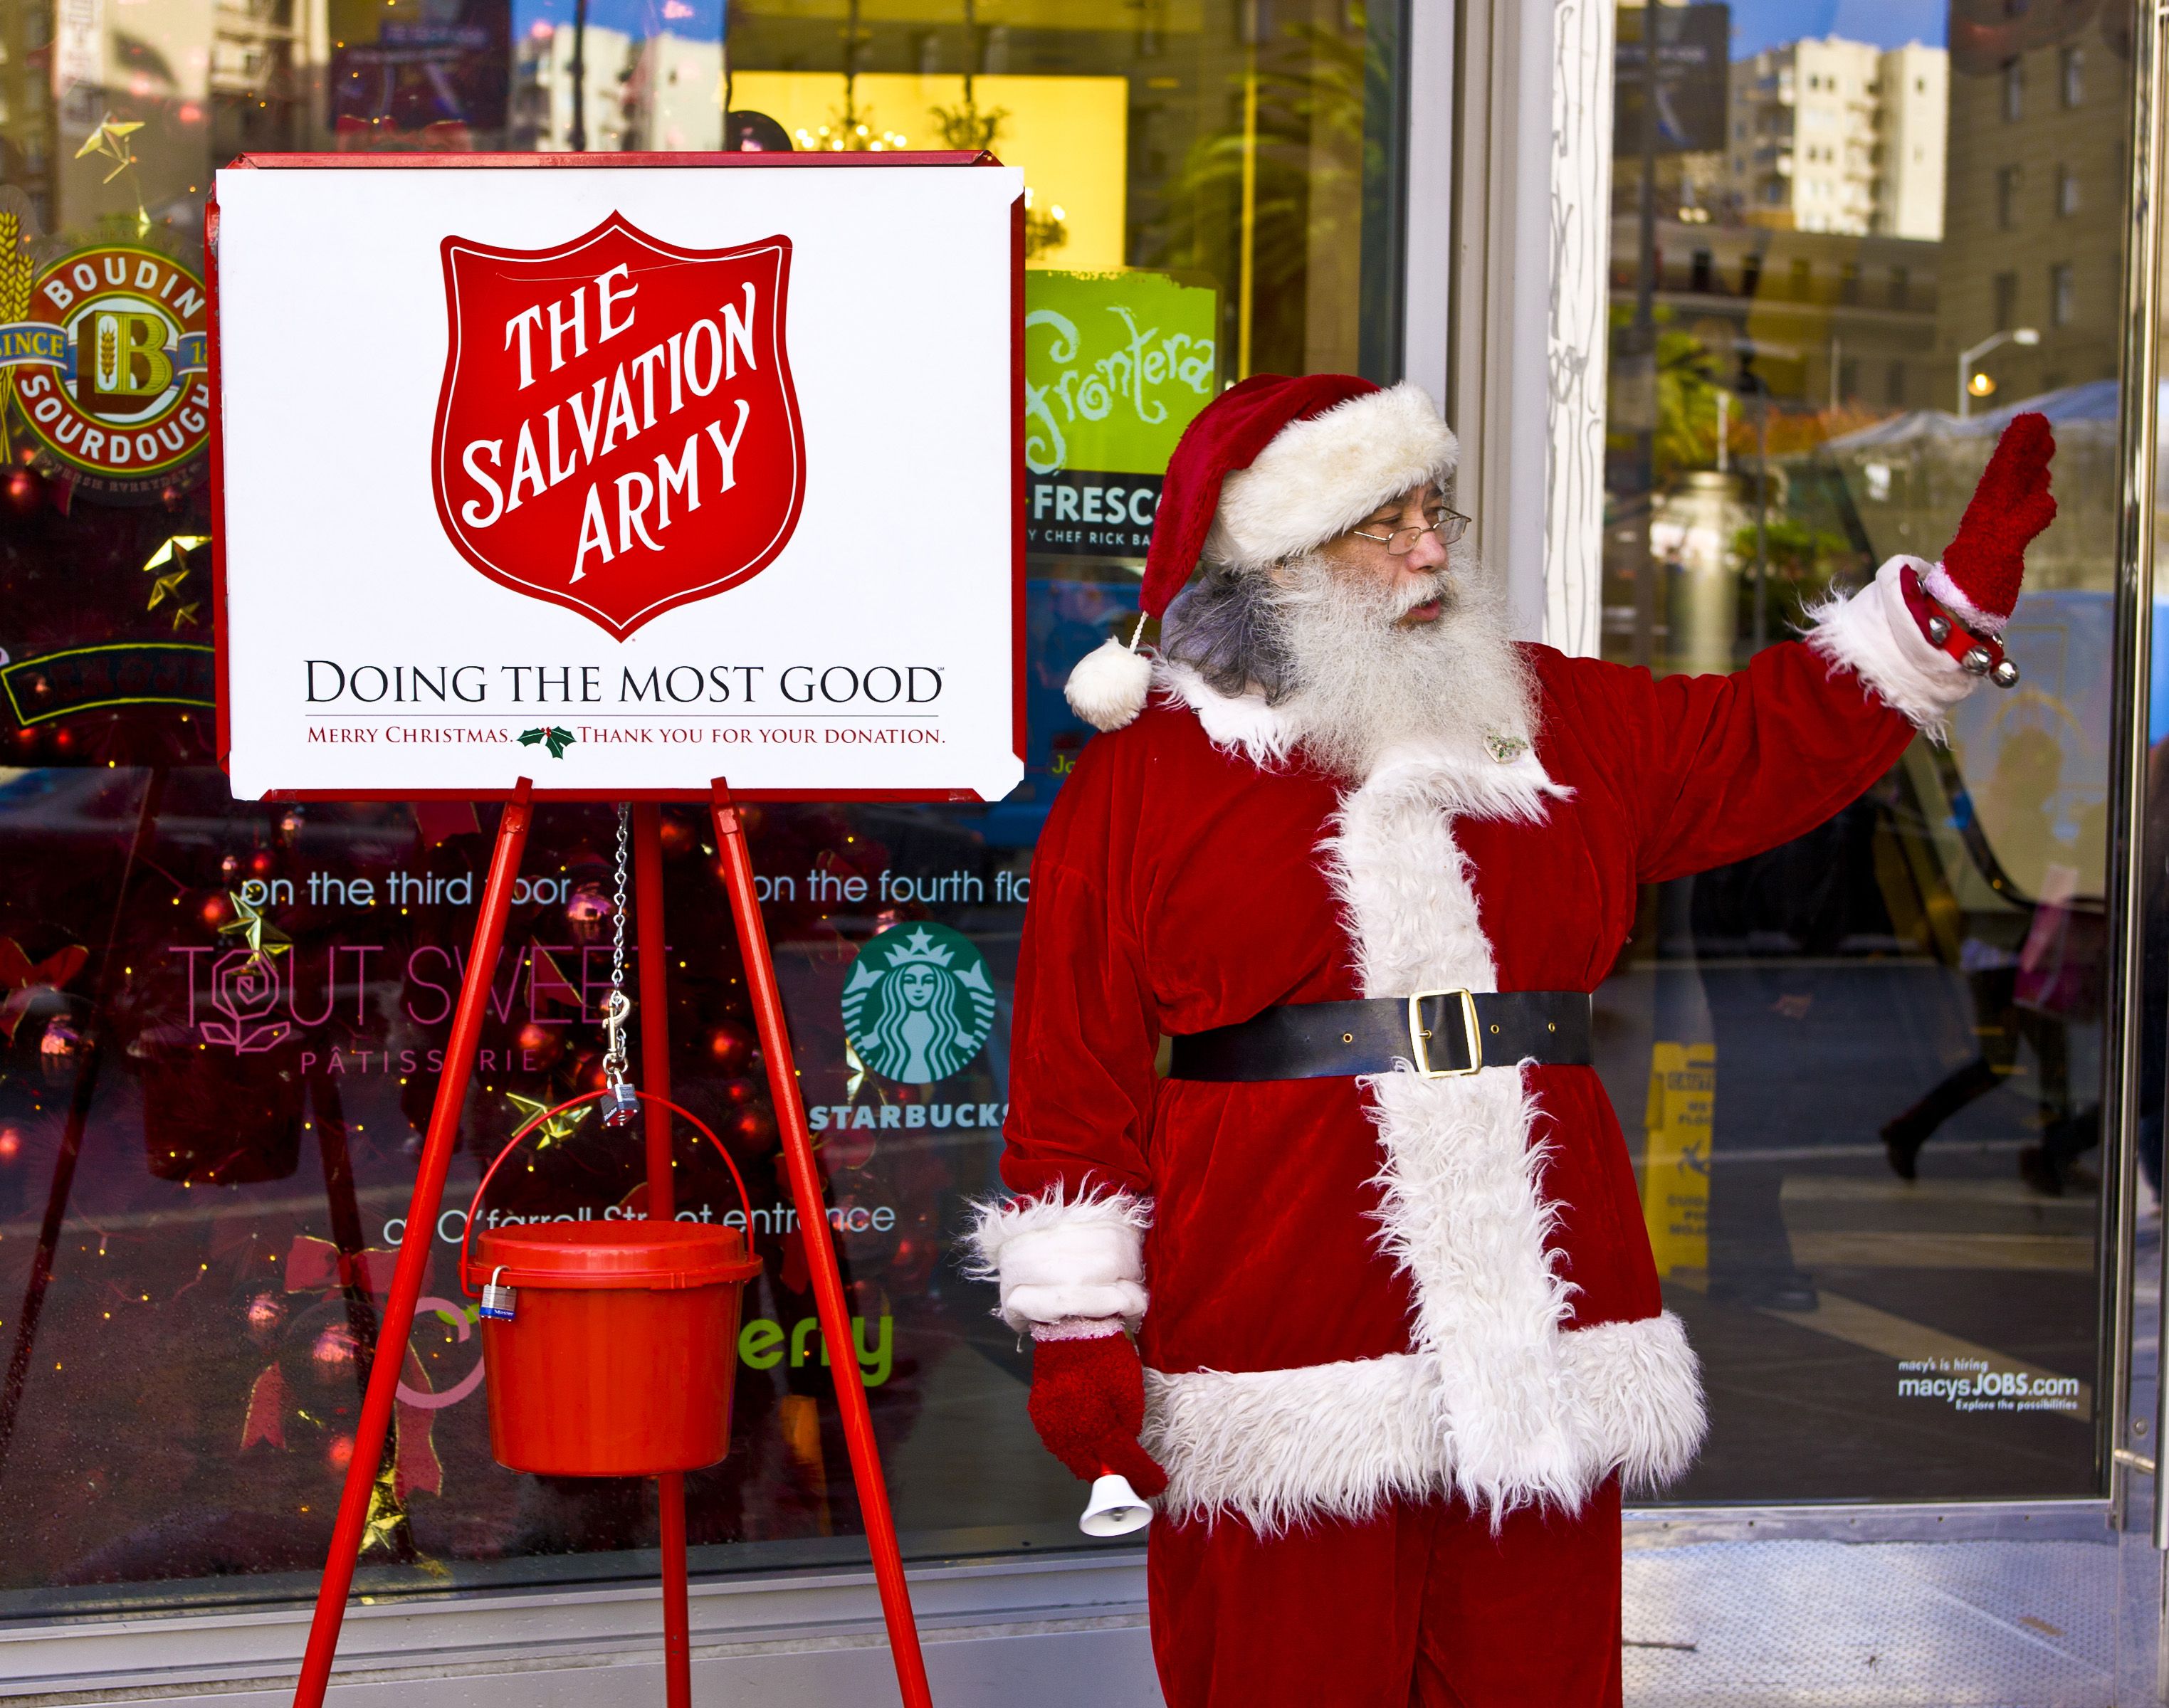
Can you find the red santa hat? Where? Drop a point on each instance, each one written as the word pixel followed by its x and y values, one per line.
pixel 1270 468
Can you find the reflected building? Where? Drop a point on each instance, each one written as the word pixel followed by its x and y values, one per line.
pixel 1828 320
pixel 26 104
pixel 2035 215
pixel 673 95
pixel 542 81
pixel 1841 136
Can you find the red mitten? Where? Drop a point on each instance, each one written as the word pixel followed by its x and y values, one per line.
pixel 1979 577
pixel 1088 1403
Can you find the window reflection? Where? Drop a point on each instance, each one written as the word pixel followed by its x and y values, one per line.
pixel 1871 1060
pixel 219 1021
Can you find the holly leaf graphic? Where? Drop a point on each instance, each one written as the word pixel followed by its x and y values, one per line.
pixel 551 737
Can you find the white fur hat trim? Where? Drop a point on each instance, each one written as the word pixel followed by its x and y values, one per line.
pixel 1109 685
pixel 1321 476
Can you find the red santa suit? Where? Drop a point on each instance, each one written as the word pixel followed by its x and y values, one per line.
pixel 1402 1341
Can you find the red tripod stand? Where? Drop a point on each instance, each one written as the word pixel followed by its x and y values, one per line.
pixel 805 1194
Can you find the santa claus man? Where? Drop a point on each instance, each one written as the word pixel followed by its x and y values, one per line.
pixel 1322 1224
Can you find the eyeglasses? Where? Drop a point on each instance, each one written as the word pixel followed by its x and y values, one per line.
pixel 1448 525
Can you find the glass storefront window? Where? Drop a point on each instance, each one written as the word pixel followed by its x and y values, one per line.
pixel 1871 1060
pixel 203 1157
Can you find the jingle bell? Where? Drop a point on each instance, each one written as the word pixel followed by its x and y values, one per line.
pixel 2005 675
pixel 1939 630
pixel 1975 662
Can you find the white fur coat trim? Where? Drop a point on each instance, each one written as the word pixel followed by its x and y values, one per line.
pixel 1322 477
pixel 1461 1178
pixel 1874 635
pixel 1477 783
pixel 1276 1447
pixel 1058 1257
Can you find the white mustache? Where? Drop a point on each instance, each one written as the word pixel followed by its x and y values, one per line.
pixel 1433 586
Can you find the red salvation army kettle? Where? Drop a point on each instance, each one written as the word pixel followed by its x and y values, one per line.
pixel 608 1346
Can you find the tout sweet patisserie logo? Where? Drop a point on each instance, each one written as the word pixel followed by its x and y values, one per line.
pixel 617 431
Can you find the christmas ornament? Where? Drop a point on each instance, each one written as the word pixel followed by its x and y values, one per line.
pixel 558 1126
pixel 262 938
pixel 172 558
pixel 585 910
pixel 60 1045
pixel 678 837
pixel 730 1046
pixel 22 492
pixel 543 1043
pixel 22 979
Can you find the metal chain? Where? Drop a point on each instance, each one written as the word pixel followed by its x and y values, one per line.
pixel 620 1104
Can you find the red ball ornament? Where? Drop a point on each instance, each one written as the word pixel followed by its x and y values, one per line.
pixel 740 1093
pixel 173 498
pixel 543 1043
pixel 22 492
pixel 754 1127
pixel 332 1354
pixel 339 1454
pixel 677 836
pixel 266 1314
pixel 730 1046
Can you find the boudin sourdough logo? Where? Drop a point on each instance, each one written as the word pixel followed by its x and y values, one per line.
pixel 617 431
pixel 111 372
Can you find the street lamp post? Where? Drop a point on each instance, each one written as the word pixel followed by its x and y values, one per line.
pixel 1974 352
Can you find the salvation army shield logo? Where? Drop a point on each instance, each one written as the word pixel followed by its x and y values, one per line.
pixel 917 1005
pixel 617 431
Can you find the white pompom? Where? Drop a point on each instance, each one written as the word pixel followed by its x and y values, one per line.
pixel 1109 685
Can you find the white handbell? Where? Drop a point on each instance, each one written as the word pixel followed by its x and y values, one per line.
pixel 1114 1509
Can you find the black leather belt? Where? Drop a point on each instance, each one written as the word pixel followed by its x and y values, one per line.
pixel 1439 1033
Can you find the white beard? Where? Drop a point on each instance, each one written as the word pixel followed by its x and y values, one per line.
pixel 1365 686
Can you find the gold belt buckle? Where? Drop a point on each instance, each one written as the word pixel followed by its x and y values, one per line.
pixel 1420 1039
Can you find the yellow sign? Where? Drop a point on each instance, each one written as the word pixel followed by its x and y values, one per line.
pixel 1676 1161
pixel 1070 135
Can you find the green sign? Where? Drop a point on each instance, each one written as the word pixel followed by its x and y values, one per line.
pixel 1116 364
pixel 917 1005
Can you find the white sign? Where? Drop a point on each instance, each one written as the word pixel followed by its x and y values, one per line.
pixel 618 478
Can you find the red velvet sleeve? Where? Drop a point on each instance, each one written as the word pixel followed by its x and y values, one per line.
pixel 1084 1028
pixel 1715 769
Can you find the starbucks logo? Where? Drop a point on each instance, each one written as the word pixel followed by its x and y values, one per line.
pixel 918 1006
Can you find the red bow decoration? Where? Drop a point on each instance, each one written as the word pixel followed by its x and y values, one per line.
pixel 316 1265
pixel 21 979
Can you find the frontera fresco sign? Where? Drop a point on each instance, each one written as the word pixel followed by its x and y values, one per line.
pixel 1116 366
pixel 617 432
pixel 917 1005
